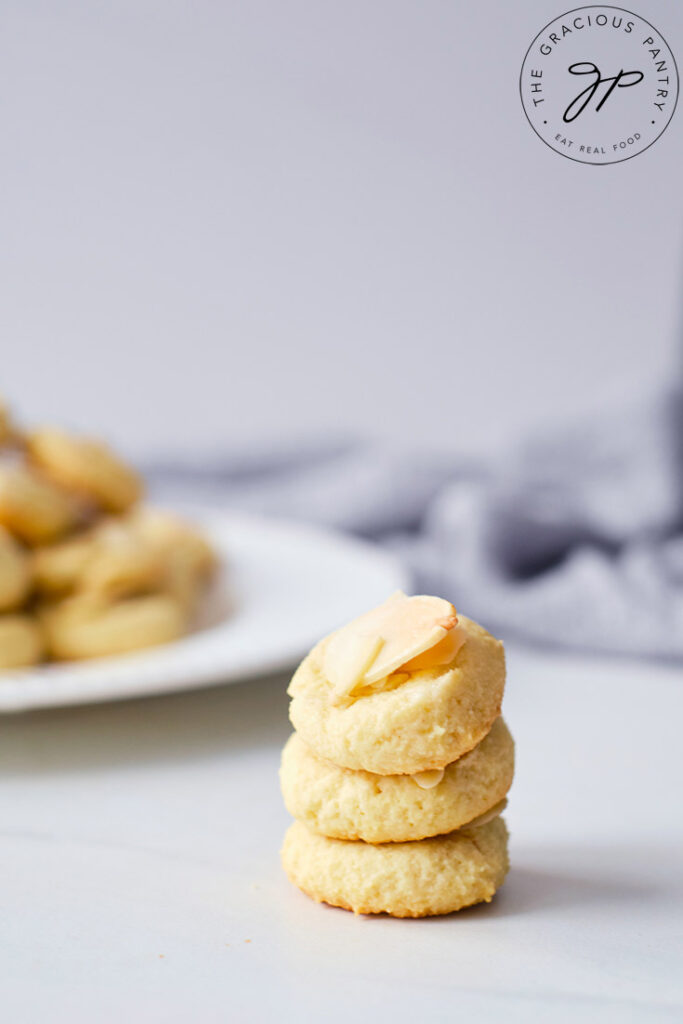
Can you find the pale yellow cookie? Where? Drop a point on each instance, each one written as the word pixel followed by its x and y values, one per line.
pixel 416 879
pixel 182 581
pixel 419 720
pixel 86 467
pixel 345 804
pixel 21 641
pixel 170 534
pixel 88 627
pixel 110 560
pixel 188 557
pixel 15 572
pixel 58 568
pixel 121 564
pixel 33 508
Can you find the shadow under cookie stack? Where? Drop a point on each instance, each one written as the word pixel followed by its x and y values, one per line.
pixel 400 764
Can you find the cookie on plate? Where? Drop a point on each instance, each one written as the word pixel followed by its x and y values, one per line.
pixel 21 641
pixel 32 508
pixel 86 467
pixel 86 626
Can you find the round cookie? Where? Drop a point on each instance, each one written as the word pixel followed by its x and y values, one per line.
pixel 171 535
pixel 415 879
pixel 345 804
pixel 87 627
pixel 21 641
pixel 86 467
pixel 121 564
pixel 32 508
pixel 111 560
pixel 426 720
pixel 187 556
pixel 58 568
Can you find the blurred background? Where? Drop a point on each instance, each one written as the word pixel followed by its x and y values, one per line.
pixel 225 223
pixel 233 230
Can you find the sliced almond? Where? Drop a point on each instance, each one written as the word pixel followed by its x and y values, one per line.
pixel 429 779
pixel 347 659
pixel 409 627
pixel 441 654
pixel 487 816
pixel 385 639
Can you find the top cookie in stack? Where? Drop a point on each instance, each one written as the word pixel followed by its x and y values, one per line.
pixel 399 766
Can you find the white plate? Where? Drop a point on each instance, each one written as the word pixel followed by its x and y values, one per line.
pixel 286 584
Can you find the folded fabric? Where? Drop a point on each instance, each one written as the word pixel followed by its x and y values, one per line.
pixel 575 540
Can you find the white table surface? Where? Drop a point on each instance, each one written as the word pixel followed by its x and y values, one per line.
pixel 140 879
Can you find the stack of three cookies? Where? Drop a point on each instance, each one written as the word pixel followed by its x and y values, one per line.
pixel 400 764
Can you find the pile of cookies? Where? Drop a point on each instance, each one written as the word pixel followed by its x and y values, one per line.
pixel 400 764
pixel 85 570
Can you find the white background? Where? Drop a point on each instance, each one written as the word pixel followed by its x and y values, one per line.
pixel 225 222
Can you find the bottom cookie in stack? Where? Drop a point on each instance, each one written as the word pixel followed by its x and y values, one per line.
pixel 412 879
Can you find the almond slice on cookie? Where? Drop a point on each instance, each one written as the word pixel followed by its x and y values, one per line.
pixel 403 632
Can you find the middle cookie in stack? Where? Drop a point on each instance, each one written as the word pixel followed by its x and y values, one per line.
pixel 397 782
pixel 346 804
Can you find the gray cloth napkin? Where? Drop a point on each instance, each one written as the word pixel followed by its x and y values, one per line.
pixel 574 540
